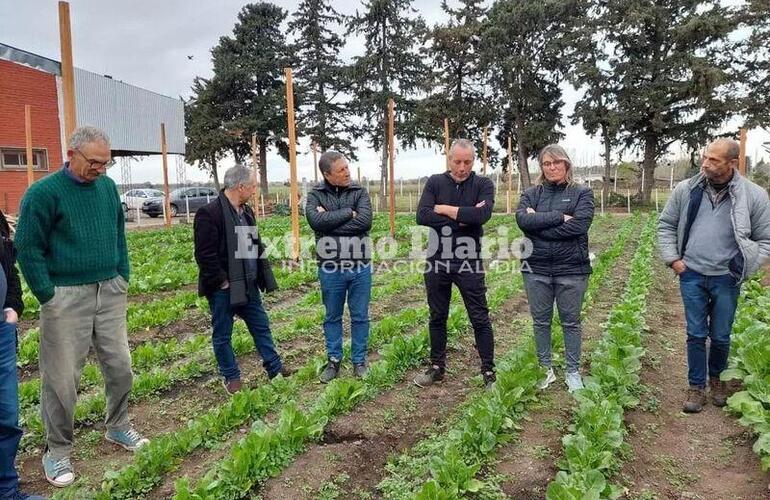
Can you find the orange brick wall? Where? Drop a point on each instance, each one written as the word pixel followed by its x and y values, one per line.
pixel 21 85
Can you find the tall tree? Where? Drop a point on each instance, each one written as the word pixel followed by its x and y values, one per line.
pixel 207 141
pixel 591 73
pixel 672 61
pixel 756 62
pixel 390 67
pixel 322 77
pixel 458 90
pixel 249 82
pixel 521 48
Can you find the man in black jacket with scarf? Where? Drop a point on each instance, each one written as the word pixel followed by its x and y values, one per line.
pixel 233 269
pixel 455 205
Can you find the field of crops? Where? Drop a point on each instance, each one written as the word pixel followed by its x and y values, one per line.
pixel 381 436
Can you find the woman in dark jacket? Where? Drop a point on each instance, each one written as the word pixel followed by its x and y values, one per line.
pixel 555 215
pixel 13 306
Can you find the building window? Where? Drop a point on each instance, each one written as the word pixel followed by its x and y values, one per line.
pixel 16 159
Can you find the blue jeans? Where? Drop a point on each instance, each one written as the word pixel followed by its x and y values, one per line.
pixel 709 308
pixel 355 285
pixel 10 432
pixel 255 317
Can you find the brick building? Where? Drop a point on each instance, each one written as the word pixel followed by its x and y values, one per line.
pixel 130 115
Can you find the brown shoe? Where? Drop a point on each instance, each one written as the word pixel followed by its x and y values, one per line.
pixel 696 398
pixel 285 372
pixel 232 386
pixel 718 391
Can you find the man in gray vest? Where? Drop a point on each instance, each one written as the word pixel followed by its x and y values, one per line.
pixel 714 233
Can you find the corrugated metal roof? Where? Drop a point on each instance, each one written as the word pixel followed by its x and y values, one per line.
pixel 130 115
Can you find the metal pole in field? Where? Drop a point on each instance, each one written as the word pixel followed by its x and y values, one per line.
pixel 359 175
pixel 30 157
pixel 628 199
pixel 601 196
pixel 446 141
pixel 484 154
pixel 292 164
pixel 256 173
pixel 67 71
pixel 164 153
pixel 391 158
pixel 642 190
pixel 187 206
pixel 315 163
pixel 742 154
pixel 615 182
pixel 510 175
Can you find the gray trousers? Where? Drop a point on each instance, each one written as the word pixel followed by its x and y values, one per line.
pixel 568 292
pixel 76 318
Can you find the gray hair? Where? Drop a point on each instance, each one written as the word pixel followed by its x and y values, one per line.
pixel 237 175
pixel 328 159
pixel 87 135
pixel 464 144
pixel 557 153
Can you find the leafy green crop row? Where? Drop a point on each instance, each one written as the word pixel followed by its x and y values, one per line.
pixel 445 465
pixel 750 363
pixel 593 448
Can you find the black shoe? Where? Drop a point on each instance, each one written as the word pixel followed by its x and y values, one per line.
pixel 489 379
pixel 434 373
pixel 331 371
pixel 360 369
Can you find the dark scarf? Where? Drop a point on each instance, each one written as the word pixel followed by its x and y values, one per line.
pixel 240 287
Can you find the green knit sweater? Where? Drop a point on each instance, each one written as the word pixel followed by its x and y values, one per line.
pixel 70 234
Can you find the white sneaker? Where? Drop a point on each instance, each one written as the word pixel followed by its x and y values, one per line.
pixel 574 382
pixel 549 378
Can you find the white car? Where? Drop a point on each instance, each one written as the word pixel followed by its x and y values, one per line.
pixel 133 199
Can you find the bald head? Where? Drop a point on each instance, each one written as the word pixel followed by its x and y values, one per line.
pixel 720 159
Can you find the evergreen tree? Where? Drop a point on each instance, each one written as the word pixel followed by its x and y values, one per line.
pixel 390 67
pixel 322 80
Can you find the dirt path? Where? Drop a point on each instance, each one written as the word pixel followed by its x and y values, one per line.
pixel 676 455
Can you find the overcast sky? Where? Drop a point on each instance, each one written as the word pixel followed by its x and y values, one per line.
pixel 147 43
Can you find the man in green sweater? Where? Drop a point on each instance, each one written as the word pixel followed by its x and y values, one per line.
pixel 72 251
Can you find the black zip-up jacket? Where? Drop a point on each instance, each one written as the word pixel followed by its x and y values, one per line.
pixel 559 248
pixel 13 298
pixel 211 250
pixel 442 189
pixel 339 236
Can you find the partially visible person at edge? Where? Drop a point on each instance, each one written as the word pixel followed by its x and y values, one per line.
pixel 555 215
pixel 232 269
pixel 455 205
pixel 714 232
pixel 72 250
pixel 340 213
pixel 12 308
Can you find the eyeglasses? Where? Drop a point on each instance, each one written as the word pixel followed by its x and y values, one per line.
pixel 555 163
pixel 96 163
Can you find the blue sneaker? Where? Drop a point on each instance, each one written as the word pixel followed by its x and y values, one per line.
pixel 130 439
pixel 58 472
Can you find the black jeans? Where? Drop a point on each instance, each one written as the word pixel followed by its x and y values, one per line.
pixel 438 286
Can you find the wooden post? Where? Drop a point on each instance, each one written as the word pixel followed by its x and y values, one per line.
pixel 671 180
pixel 484 154
pixel 510 174
pixel 410 202
pixel 359 174
pixel 391 158
pixel 657 208
pixel 315 163
pixel 167 197
pixel 628 199
pixel 256 172
pixel 446 141
pixel 742 154
pixel 601 195
pixel 67 71
pixel 615 183
pixel 262 202
pixel 292 164
pixel 30 157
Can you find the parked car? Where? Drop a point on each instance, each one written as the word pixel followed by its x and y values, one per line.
pixel 133 198
pixel 180 199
